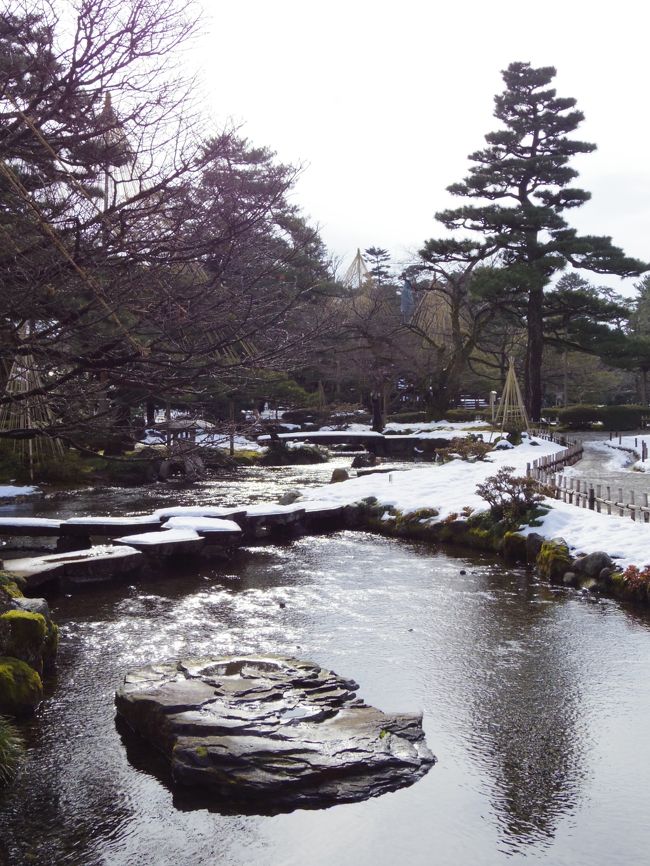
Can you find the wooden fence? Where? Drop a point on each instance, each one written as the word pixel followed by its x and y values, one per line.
pixel 583 493
pixel 544 467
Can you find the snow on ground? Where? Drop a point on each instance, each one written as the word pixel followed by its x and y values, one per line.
pixel 617 460
pixel 8 491
pixel 629 447
pixel 451 487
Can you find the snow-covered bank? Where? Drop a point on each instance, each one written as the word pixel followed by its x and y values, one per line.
pixel 450 488
pixel 10 491
pixel 628 448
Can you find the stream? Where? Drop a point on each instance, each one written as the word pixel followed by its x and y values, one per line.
pixel 535 701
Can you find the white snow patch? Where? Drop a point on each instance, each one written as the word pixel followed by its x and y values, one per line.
pixel 164 537
pixel 8 491
pixel 202 524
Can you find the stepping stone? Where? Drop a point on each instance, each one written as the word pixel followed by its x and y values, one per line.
pixel 168 542
pixel 33 526
pixel 267 734
pixel 213 529
pixel 98 564
pixel 109 526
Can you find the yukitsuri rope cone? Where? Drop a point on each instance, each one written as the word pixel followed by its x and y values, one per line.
pixel 511 413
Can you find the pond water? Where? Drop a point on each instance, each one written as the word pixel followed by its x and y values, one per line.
pixel 535 701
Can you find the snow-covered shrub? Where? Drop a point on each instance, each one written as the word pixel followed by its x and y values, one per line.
pixel 509 496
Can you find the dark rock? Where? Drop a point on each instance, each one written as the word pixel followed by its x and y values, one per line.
pixel 605 576
pixel 364 461
pixel 271 734
pixel 591 564
pixel 339 475
pixel 534 543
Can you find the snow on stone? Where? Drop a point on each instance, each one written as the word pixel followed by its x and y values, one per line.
pixel 146 519
pixel 202 524
pixel 195 511
pixel 451 487
pixel 165 537
pixel 32 522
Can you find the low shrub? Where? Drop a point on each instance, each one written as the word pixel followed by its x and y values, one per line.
pixel 511 498
pixel 635 582
pixel 467 448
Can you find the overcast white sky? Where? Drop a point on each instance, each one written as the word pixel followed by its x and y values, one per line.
pixel 382 102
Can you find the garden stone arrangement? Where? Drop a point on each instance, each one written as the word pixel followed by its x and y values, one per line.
pixel 271 734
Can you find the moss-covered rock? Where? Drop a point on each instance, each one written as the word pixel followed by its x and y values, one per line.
pixel 514 547
pixel 11 585
pixel 554 560
pixel 21 688
pixel 24 637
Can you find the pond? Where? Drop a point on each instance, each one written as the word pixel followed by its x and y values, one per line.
pixel 535 701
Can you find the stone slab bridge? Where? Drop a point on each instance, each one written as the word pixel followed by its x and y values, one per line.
pixel 203 531
pixel 407 445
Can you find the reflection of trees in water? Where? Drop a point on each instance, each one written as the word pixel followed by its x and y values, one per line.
pixel 526 712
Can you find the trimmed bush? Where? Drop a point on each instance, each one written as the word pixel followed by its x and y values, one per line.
pixel 466 414
pixel 408 418
pixel 582 417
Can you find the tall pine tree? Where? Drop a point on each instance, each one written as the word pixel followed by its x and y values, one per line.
pixel 518 190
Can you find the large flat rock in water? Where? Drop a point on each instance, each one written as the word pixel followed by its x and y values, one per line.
pixel 271 734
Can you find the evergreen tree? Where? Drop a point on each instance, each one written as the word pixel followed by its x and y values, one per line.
pixel 519 188
pixel 378 260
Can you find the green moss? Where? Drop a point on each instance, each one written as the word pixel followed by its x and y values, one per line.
pixel 247 458
pixel 514 547
pixel 553 560
pixel 10 586
pixel 26 637
pixel 21 689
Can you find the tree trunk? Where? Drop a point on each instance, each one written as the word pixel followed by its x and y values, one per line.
pixel 534 352
pixel 377 419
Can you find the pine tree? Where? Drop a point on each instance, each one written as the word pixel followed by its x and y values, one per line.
pixel 378 260
pixel 519 188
